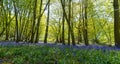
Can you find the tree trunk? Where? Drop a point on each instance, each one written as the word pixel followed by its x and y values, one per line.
pixel 68 20
pixel 47 26
pixel 85 21
pixel 116 23
pixel 16 19
pixel 34 21
pixel 63 30
pixel 38 24
pixel 72 31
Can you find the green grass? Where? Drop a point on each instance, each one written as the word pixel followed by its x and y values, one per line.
pixel 52 55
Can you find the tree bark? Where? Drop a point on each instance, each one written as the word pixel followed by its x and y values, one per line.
pixel 47 26
pixel 63 30
pixel 16 19
pixel 34 21
pixel 68 20
pixel 116 23
pixel 38 24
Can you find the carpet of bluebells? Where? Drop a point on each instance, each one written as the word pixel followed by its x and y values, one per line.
pixel 58 54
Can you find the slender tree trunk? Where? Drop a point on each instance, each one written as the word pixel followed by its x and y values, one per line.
pixel 39 19
pixel 6 26
pixel 72 31
pixel 79 33
pixel 85 26
pixel 69 27
pixel 63 30
pixel 34 21
pixel 68 20
pixel 80 25
pixel 116 23
pixel 59 30
pixel 7 35
pixel 47 26
pixel 38 24
pixel 16 18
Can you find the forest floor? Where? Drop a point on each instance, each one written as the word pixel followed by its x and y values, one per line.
pixel 102 47
pixel 40 53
